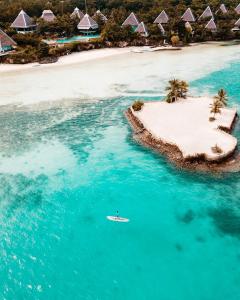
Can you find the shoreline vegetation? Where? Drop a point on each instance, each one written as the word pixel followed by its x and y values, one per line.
pixel 189 141
pixel 35 32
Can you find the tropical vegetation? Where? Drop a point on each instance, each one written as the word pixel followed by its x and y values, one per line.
pixel 176 89
pixel 112 33
pixel 137 105
pixel 219 101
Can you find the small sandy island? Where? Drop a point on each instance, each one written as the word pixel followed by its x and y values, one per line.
pixel 182 131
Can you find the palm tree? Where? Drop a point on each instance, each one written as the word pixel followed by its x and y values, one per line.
pixel 183 88
pixel 176 89
pixel 222 97
pixel 172 89
pixel 216 107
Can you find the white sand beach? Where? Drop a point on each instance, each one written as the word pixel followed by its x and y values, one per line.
pixel 70 59
pixel 110 73
pixel 186 124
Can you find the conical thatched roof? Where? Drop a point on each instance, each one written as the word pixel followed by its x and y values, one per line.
pixel 48 15
pixel 99 14
pixel 222 8
pixel 237 9
pixel 206 14
pixel 87 23
pixel 131 20
pixel 211 25
pixel 162 18
pixel 141 29
pixel 188 16
pixel 237 23
pixel 161 28
pixel 5 40
pixel 23 21
pixel 77 13
pixel 188 26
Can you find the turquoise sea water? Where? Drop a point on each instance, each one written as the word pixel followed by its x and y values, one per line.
pixel 65 168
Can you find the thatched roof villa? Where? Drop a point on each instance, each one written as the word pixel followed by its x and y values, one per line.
pixel 23 23
pixel 48 15
pixel 162 18
pixel 211 25
pixel 6 43
pixel 87 25
pixel 131 20
pixel 142 30
pixel 237 9
pixel 100 15
pixel 161 28
pixel 188 26
pixel 206 14
pixel 77 13
pixel 222 8
pixel 188 16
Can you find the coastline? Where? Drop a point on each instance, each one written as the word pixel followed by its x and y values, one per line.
pixel 71 59
pixel 231 163
pixel 95 54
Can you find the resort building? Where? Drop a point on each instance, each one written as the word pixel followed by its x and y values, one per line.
pixel 237 9
pixel 161 28
pixel 100 15
pixel 48 15
pixel 236 26
pixel 142 30
pixel 87 25
pixel 188 26
pixel 77 13
pixel 23 23
pixel 188 16
pixel 222 8
pixel 131 21
pixel 211 26
pixel 162 18
pixel 6 43
pixel 206 14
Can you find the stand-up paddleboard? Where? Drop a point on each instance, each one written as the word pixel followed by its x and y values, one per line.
pixel 117 219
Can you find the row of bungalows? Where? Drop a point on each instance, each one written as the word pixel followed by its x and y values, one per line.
pixel 25 24
pixel 188 17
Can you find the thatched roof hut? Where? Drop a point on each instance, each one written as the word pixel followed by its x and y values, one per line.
pixel 99 14
pixel 87 24
pixel 142 30
pixel 48 15
pixel 77 13
pixel 211 25
pixel 6 43
pixel 162 18
pixel 237 9
pixel 188 26
pixel 131 20
pixel 222 8
pixel 188 16
pixel 161 28
pixel 23 23
pixel 206 14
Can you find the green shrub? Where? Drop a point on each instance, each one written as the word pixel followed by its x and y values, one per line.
pixel 216 149
pixel 212 119
pixel 137 105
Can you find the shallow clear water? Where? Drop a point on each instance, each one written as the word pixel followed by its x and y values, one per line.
pixel 65 167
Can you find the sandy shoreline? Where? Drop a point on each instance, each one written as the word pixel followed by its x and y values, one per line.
pixel 71 59
pixel 90 55
pixel 231 163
